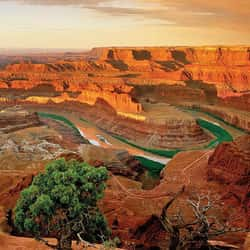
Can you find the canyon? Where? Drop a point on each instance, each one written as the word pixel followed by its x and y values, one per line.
pixel 119 76
pixel 143 107
pixel 128 208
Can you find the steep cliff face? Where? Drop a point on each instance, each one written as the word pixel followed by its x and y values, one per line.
pixel 231 56
pixel 232 160
pixel 120 102
pixel 230 165
pixel 230 81
pixel 228 68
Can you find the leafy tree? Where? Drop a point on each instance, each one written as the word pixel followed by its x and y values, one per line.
pixel 63 202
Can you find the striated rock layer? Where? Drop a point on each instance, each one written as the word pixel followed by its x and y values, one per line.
pixel 15 118
pixel 227 68
pixel 240 119
pixel 230 165
pixel 172 131
pixel 115 75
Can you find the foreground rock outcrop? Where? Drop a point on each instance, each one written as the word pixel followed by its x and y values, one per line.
pixel 230 166
pixel 127 207
pixel 196 170
pixel 18 243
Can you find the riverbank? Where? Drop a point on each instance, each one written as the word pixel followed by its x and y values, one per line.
pixel 153 164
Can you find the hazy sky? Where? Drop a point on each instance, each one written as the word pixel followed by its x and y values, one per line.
pixel 92 23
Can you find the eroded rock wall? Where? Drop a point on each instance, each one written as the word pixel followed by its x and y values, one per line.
pixel 227 68
pixel 230 165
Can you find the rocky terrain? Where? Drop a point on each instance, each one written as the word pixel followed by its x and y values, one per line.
pixel 230 165
pixel 128 207
pixel 130 80
pixel 225 176
pixel 25 142
pixel 135 93
pixel 233 116
pixel 14 243
pixel 119 162
pixel 12 119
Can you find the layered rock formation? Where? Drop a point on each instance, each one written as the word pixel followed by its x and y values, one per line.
pixel 240 119
pixel 175 133
pixel 189 73
pixel 119 162
pixel 227 68
pixel 175 130
pixel 15 118
pixel 230 165
pixel 120 102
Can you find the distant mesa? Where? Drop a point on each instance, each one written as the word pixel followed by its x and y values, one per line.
pixel 134 81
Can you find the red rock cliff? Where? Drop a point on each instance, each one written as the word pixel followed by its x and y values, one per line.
pixel 230 165
pixel 226 68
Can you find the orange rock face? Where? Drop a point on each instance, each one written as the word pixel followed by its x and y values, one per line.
pixel 114 76
pixel 230 165
pixel 232 160
pixel 228 68
pixel 127 207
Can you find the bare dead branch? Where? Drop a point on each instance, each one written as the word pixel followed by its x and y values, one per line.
pixel 86 244
pixel 46 242
pixel 197 232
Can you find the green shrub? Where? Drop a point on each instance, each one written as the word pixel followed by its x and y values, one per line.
pixel 63 201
